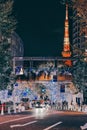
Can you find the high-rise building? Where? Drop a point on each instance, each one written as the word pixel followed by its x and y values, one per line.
pixel 79 40
pixel 79 37
pixel 17 46
pixel 17 49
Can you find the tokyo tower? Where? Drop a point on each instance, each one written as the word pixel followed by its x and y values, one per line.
pixel 66 48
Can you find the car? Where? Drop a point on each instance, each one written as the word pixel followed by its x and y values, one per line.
pixel 39 110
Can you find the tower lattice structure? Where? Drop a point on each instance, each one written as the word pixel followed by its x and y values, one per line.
pixel 66 48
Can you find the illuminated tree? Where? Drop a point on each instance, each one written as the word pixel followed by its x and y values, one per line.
pixel 80 67
pixel 7 26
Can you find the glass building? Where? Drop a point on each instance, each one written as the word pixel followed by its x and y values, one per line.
pixel 17 46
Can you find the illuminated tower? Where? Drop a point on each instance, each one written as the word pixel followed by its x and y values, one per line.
pixel 66 49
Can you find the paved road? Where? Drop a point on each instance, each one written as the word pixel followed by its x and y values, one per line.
pixel 52 121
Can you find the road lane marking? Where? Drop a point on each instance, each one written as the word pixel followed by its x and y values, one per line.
pixel 52 126
pixel 16 119
pixel 21 125
pixel 83 127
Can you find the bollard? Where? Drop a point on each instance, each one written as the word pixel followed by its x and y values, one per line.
pixel 2 110
pixel 15 110
pixel 9 112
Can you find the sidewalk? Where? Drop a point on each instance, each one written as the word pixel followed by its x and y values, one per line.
pixel 7 116
pixel 13 116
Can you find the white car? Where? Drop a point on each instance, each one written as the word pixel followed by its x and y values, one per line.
pixel 39 110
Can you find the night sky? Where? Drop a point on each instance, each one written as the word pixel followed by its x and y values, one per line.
pixel 40 26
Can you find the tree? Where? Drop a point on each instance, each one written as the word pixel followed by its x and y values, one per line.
pixel 80 74
pixel 7 27
pixel 80 68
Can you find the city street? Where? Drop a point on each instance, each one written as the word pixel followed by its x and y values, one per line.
pixel 54 120
pixel 43 65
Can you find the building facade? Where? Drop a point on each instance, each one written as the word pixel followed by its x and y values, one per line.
pixel 17 49
pixel 17 46
pixel 79 36
pixel 79 46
